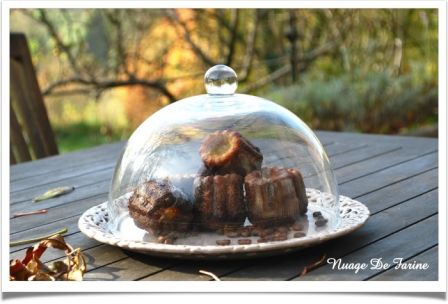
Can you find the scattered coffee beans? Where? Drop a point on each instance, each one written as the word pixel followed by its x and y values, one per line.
pixel 297 227
pixel 321 222
pixel 299 234
pixel 244 241
pixel 317 214
pixel 223 242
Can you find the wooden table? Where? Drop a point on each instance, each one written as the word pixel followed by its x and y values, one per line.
pixel 395 177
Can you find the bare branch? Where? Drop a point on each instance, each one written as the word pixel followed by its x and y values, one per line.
pixel 43 18
pixel 172 15
pixel 303 64
pixel 115 20
pixel 250 47
pixel 233 33
pixel 337 35
pixel 101 86
pixel 293 36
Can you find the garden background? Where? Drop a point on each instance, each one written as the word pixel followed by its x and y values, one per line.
pixel 102 72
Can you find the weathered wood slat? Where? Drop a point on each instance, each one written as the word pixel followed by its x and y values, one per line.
pixel 55 214
pixel 76 240
pixel 23 78
pixel 361 155
pixel 85 185
pixel 429 257
pixel 21 105
pixel 71 223
pixel 190 271
pixel 376 138
pixel 388 176
pixel 399 192
pixel 39 182
pixel 381 162
pixel 402 244
pixel 129 269
pixel 19 146
pixel 69 161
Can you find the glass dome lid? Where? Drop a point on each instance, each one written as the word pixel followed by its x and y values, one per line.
pixel 222 168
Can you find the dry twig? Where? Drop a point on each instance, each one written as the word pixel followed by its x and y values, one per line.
pixel 210 274
pixel 37 239
pixel 19 214
pixel 314 265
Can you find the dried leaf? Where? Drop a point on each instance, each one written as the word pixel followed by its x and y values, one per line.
pixel 41 276
pixel 312 266
pixel 53 193
pixel 18 271
pixel 210 274
pixel 32 269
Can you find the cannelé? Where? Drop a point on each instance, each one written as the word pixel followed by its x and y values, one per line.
pixel 275 196
pixel 225 152
pixel 158 207
pixel 219 201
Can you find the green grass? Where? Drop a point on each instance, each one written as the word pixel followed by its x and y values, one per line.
pixel 84 135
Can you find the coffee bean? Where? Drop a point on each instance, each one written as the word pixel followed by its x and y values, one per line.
pixel 223 242
pixel 169 241
pixel 282 229
pixel 321 222
pixel 245 232
pixel 299 234
pixel 164 239
pixel 244 241
pixel 232 234
pixel 255 232
pixel 279 238
pixel 317 214
pixel 297 227
pixel 266 231
pixel 280 235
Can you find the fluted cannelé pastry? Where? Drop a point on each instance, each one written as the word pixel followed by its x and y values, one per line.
pixel 158 207
pixel 225 152
pixel 275 196
pixel 219 201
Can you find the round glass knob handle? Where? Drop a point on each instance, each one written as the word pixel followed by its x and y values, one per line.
pixel 220 80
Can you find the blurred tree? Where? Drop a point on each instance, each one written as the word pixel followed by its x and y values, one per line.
pixel 160 55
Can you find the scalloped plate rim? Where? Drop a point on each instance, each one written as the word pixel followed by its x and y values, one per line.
pixel 102 235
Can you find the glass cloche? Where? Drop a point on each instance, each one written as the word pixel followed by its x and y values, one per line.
pixel 222 169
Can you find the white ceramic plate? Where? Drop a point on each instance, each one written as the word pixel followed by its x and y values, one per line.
pixel 94 224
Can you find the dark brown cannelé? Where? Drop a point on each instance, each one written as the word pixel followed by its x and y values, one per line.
pixel 158 207
pixel 219 201
pixel 275 196
pixel 225 152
